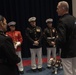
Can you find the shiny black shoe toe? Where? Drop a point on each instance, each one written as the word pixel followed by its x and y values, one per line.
pixel 21 72
pixel 48 67
pixel 34 70
pixel 40 69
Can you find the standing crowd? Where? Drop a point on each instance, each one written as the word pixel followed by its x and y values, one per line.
pixel 63 37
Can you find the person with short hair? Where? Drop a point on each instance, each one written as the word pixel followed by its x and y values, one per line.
pixel 8 57
pixel 67 38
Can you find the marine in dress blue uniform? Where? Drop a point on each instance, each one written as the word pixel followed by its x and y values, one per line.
pixel 34 35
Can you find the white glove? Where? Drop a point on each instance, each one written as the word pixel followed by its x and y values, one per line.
pixel 17 44
pixel 36 43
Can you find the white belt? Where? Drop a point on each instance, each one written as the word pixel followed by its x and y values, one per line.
pixel 50 38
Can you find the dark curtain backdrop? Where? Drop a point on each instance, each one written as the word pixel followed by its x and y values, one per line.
pixel 21 10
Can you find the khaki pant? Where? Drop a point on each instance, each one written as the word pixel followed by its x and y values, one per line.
pixel 69 66
pixel 34 52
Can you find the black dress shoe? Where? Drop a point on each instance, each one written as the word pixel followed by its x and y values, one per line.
pixel 34 70
pixel 48 67
pixel 39 69
pixel 21 72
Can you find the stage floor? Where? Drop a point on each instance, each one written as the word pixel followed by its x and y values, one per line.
pixel 45 70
